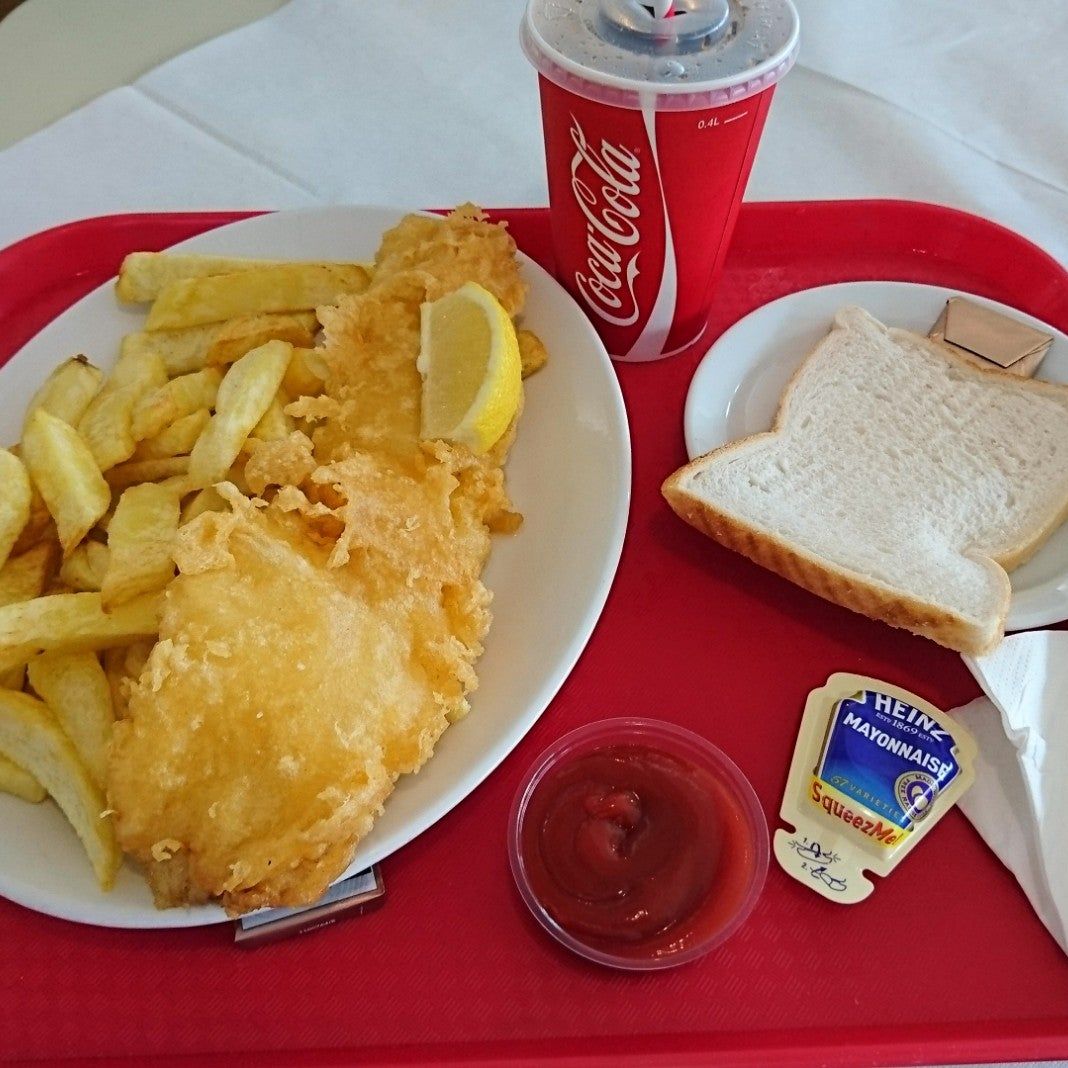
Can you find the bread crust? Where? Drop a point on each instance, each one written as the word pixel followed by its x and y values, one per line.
pixel 839 585
pixel 851 589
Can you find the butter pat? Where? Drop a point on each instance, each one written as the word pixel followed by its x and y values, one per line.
pixel 874 769
pixel 988 337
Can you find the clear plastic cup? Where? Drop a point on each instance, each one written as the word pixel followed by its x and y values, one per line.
pixel 740 870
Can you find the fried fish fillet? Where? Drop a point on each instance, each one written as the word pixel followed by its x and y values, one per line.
pixel 314 648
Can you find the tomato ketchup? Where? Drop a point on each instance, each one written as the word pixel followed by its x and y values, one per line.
pixel 638 843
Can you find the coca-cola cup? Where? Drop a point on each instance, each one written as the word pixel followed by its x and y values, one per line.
pixel 652 114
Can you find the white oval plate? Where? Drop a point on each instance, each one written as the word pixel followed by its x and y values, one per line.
pixel 569 474
pixel 736 389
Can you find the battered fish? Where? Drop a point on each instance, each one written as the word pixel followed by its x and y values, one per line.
pixel 315 647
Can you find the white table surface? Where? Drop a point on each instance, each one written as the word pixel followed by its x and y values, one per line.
pixel 91 46
pixel 887 101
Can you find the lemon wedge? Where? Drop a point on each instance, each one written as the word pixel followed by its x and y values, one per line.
pixel 472 372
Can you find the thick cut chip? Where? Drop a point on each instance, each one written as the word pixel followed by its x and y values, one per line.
pixel 176 439
pixel 244 396
pixel 182 351
pixel 39 527
pixel 75 688
pixel 129 474
pixel 73 622
pixel 140 543
pixel 31 736
pixel 275 425
pixel 14 678
pixel 306 373
pixel 122 666
pixel 239 336
pixel 83 571
pixel 16 494
pixel 67 391
pixel 62 467
pixel 19 782
pixel 532 353
pixel 178 398
pixel 106 423
pixel 23 577
pixel 144 274
pixel 207 500
pixel 286 288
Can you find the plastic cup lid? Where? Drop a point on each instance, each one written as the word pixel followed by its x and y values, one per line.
pixel 705 53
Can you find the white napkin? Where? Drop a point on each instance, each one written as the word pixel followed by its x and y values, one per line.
pixel 423 103
pixel 1020 795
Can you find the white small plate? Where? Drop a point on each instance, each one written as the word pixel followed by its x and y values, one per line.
pixel 736 389
pixel 569 474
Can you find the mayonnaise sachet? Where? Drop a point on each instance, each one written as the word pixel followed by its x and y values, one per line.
pixel 874 769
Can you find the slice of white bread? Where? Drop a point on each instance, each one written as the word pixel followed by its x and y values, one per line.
pixel 900 480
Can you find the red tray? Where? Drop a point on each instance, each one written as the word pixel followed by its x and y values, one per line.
pixel 946 962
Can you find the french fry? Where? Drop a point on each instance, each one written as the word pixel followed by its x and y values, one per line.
pixel 182 351
pixel 101 528
pixel 19 782
pixel 236 477
pixel 239 336
pixel 244 396
pixel 274 425
pixel 140 543
pixel 137 471
pixel 207 500
pixel 174 440
pixel 532 354
pixel 114 661
pixel 23 577
pixel 178 398
pixel 106 423
pixel 31 736
pixel 14 678
pixel 83 571
pixel 144 274
pixel 39 527
pixel 67 391
pixel 16 494
pixel 286 288
pixel 122 665
pixel 73 622
pixel 62 467
pixel 75 688
pixel 129 474
pixel 305 375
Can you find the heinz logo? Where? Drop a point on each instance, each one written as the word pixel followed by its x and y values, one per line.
pixel 606 184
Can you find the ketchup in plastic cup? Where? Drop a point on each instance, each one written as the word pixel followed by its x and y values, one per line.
pixel 638 844
pixel 651 125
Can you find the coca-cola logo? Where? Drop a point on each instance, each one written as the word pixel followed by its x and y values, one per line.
pixel 605 184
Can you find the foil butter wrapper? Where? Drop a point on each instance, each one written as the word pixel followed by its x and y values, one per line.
pixel 874 769
pixel 350 897
pixel 990 337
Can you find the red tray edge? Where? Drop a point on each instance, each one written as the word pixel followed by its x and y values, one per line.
pixel 941 1044
pixel 946 1043
pixel 225 216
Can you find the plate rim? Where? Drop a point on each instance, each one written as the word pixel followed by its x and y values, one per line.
pixel 203 915
pixel 1020 617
